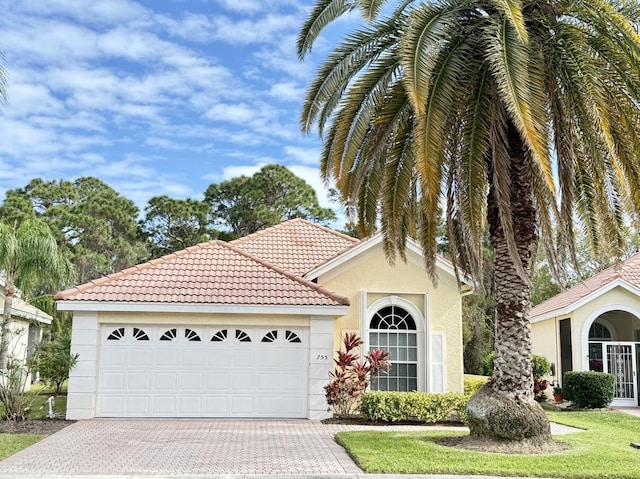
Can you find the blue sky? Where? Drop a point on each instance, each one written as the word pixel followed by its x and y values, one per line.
pixel 154 97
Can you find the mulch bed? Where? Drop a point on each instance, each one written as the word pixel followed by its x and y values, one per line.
pixel 42 427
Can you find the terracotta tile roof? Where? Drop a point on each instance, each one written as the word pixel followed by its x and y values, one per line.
pixel 297 245
pixel 628 271
pixel 212 273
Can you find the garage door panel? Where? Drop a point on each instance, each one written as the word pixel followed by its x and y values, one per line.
pixel 111 406
pixel 113 357
pixel 216 382
pixel 139 381
pixel 241 406
pixel 164 406
pixel 167 357
pixel 165 381
pixel 193 358
pixel 217 357
pixel 140 357
pixel 137 405
pixel 192 382
pixel 242 358
pixel 290 382
pixel 181 377
pixel 216 406
pixel 190 406
pixel 112 381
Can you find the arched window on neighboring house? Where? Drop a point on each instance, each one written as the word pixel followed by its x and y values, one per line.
pixel 393 329
pixel 599 332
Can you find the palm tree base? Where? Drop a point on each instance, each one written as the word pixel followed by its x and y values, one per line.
pixel 504 417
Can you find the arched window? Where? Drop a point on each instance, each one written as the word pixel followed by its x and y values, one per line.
pixel 393 329
pixel 599 332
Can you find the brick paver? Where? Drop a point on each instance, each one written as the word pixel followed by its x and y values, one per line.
pixel 175 447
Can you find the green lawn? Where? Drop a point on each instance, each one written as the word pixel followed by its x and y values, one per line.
pixel 601 451
pixel 12 443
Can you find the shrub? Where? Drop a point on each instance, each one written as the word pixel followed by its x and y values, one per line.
pixel 588 389
pixel 390 406
pixel 487 366
pixel 53 359
pixel 472 384
pixel 541 366
pixel 351 376
pixel 17 403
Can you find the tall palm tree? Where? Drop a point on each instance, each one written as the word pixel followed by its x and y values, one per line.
pixel 518 115
pixel 29 257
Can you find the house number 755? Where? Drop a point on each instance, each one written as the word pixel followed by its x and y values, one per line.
pixel 322 357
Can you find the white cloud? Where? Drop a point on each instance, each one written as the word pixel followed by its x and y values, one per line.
pixel 287 91
pixel 306 156
pixel 263 30
pixel 94 11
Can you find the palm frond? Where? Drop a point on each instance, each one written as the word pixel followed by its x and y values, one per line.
pixel 325 12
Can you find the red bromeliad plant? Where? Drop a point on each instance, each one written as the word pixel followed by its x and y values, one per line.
pixel 351 376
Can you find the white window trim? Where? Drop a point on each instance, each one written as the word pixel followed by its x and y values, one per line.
pixel 418 317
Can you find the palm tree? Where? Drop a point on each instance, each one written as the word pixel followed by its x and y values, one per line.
pixel 518 115
pixel 29 257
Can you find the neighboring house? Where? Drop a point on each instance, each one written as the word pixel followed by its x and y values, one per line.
pixel 249 328
pixel 595 326
pixel 25 329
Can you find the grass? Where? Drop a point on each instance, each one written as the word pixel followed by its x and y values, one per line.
pixel 12 443
pixel 601 451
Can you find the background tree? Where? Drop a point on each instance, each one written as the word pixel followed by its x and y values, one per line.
pixel 483 104
pixel 29 257
pixel 171 224
pixel 96 225
pixel 244 205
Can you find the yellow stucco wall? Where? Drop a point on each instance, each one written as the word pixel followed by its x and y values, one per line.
pixel 545 339
pixel 372 273
pixel 203 319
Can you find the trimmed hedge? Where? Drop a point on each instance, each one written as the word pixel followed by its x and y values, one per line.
pixel 390 406
pixel 540 365
pixel 472 384
pixel 588 389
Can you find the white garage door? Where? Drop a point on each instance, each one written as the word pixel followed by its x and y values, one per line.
pixel 196 371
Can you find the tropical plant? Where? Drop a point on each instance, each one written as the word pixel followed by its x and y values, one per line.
pixel 351 376
pixel 29 258
pixel 53 360
pixel 487 112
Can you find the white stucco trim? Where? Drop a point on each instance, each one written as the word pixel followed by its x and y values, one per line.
pixel 421 337
pixel 145 307
pixel 564 311
pixel 584 343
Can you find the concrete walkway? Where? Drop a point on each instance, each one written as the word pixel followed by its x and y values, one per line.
pixel 634 411
pixel 193 448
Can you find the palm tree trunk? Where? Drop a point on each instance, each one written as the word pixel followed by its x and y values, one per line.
pixel 505 408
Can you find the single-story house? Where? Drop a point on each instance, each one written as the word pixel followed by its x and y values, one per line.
pixel 595 326
pixel 25 329
pixel 249 328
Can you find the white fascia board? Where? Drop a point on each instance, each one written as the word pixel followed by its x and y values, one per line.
pixel 564 311
pixel 121 306
pixel 27 315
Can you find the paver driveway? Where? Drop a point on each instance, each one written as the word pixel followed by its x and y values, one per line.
pixel 184 447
